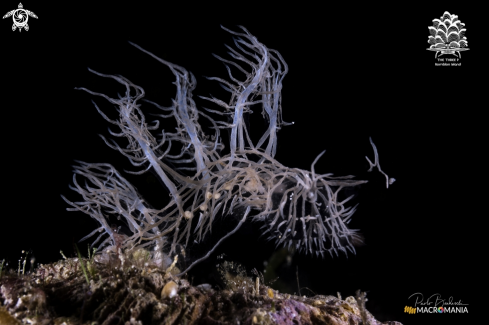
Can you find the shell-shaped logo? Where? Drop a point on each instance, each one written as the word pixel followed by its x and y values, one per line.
pixel 20 17
pixel 447 35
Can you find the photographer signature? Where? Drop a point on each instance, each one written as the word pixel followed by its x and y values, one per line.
pixel 436 300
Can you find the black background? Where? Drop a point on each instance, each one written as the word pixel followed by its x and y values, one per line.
pixel 354 72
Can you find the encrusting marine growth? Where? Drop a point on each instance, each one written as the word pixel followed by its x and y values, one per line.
pixel 296 207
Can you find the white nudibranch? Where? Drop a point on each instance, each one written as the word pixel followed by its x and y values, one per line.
pixel 245 179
